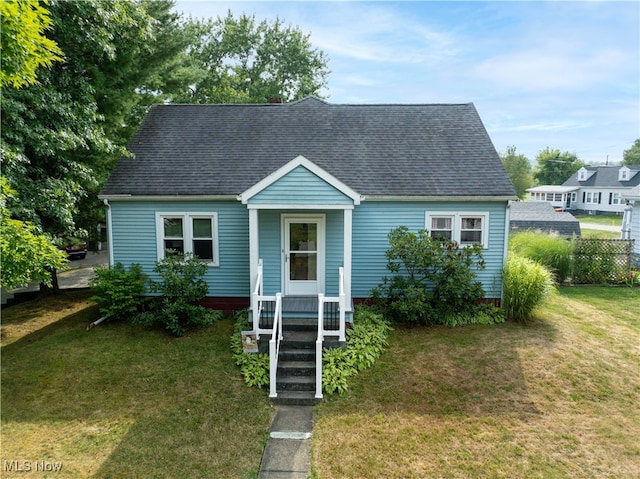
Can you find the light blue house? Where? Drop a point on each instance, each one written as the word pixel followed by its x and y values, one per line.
pixel 297 199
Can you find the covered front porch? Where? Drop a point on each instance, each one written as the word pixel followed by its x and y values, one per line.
pixel 300 250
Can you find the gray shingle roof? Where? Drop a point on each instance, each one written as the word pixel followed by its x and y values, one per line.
pixel 387 150
pixel 605 176
pixel 541 215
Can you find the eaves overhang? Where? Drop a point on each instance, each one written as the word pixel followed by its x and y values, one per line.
pixel 129 197
pixel 474 199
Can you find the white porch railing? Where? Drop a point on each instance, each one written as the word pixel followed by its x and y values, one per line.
pixel 258 303
pixel 274 346
pixel 322 332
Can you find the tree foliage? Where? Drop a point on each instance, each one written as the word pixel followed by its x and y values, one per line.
pixel 26 254
pixel 245 61
pixel 519 170
pixel 24 45
pixel 632 155
pixel 554 167
pixel 63 131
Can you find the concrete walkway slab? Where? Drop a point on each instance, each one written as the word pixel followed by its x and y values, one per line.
pixel 288 451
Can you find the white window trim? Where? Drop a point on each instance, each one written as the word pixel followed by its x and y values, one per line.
pixel 616 198
pixel 457 224
pixel 187 225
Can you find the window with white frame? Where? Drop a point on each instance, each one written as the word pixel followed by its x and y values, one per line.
pixel 615 199
pixel 464 228
pixel 441 227
pixel 195 233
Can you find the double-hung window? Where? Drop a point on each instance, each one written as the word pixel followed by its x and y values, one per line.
pixel 195 233
pixel 464 228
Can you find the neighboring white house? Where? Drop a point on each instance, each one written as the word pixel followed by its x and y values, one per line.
pixel 593 189
pixel 558 196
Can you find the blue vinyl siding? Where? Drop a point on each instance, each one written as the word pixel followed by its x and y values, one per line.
pixel 372 222
pixel 269 230
pixel 302 187
pixel 134 240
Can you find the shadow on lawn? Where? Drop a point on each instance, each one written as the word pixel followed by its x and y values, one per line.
pixel 128 402
pixel 467 371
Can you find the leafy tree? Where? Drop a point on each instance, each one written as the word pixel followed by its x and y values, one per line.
pixel 24 46
pixel 26 255
pixel 632 155
pixel 518 168
pixel 248 62
pixel 554 167
pixel 53 133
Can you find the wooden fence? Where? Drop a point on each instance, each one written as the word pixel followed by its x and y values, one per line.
pixel 598 261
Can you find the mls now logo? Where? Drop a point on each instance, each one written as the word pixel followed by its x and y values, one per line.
pixel 28 466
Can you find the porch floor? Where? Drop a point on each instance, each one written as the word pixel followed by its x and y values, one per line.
pixel 300 304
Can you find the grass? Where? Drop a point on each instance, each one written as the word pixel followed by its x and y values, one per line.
pixel 558 398
pixel 118 401
pixel 598 234
pixel 609 220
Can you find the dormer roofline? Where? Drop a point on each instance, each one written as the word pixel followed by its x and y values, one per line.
pixel 625 173
pixel 584 174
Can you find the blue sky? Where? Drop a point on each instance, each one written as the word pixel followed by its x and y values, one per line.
pixel 564 75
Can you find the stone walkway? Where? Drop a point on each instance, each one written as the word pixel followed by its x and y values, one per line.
pixel 288 451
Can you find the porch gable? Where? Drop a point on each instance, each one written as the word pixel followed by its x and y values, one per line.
pixel 300 183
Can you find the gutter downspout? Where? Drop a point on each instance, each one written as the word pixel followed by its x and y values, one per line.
pixel 109 232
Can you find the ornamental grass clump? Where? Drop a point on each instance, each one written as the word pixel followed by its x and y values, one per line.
pixel 527 284
pixel 550 250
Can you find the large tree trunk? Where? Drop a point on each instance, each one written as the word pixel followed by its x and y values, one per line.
pixel 46 290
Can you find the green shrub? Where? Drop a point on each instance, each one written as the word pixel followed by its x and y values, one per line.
pixel 254 367
pixel 337 368
pixel 526 286
pixel 118 291
pixel 552 251
pixel 366 341
pixel 432 278
pixel 181 287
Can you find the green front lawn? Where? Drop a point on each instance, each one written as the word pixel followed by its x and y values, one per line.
pixel 118 401
pixel 608 220
pixel 559 398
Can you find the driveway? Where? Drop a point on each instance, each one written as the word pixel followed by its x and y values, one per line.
pixel 78 274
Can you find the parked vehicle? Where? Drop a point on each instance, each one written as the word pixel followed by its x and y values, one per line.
pixel 76 250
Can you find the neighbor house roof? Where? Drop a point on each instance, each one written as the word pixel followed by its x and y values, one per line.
pixel 377 150
pixel 605 177
pixel 552 189
pixel 541 215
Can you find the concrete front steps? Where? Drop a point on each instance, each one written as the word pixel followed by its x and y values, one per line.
pixel 296 374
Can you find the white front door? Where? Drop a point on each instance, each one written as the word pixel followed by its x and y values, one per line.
pixel 303 254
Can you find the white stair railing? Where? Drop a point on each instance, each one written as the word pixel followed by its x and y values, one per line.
pixel 274 346
pixel 322 333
